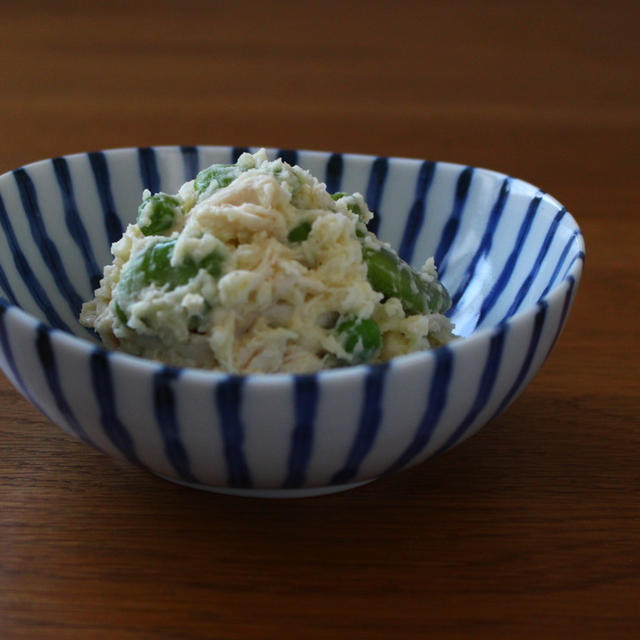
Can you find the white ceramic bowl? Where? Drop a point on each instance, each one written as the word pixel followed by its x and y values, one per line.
pixel 510 255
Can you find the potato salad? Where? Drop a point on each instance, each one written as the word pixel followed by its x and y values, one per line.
pixel 254 267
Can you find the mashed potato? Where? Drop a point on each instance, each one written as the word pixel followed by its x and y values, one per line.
pixel 255 267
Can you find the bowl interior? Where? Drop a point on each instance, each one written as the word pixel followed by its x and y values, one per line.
pixel 500 244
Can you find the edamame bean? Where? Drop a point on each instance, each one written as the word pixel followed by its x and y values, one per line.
pixel 360 338
pixel 393 277
pixel 215 177
pixel 212 264
pixel 157 213
pixel 153 266
pixel 352 201
pixel 300 233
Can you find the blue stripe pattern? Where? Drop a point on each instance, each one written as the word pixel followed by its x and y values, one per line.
pixel 483 393
pixel 77 230
pixel 23 388
pixel 190 160
pixel 528 281
pixel 538 325
pixel 507 271
pixel 149 169
pixel 236 152
pixel 112 223
pixel 48 363
pixel 104 394
pixel 485 244
pixel 48 249
pixel 556 271
pixel 579 257
pixel 228 396
pixel 437 400
pixel 453 223
pixel 305 405
pixel 333 172
pixel 288 155
pixel 5 286
pixel 7 351
pixel 565 310
pixel 375 189
pixel 164 403
pixel 415 219
pixel 369 424
pixel 28 276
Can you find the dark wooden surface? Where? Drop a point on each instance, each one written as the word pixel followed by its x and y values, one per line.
pixel 529 530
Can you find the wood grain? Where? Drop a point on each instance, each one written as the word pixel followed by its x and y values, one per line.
pixel 531 529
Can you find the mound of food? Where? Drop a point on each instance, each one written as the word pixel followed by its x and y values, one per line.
pixel 255 267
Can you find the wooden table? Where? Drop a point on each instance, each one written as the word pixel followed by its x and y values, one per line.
pixel 529 530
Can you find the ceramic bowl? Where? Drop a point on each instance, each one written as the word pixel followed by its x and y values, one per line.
pixel 510 255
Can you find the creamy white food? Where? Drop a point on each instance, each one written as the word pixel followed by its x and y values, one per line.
pixel 255 267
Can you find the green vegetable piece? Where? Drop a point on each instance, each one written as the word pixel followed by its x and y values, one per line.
pixel 212 264
pixel 360 338
pixel 194 323
pixel 394 278
pixel 120 313
pixel 300 233
pixel 159 210
pixel 215 177
pixel 153 266
pixel 352 205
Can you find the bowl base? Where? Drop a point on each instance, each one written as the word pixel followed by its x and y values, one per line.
pixel 270 493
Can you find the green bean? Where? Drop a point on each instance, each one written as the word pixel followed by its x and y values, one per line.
pixel 300 233
pixel 215 177
pixel 160 211
pixel 153 266
pixel 360 338
pixel 390 275
pixel 354 207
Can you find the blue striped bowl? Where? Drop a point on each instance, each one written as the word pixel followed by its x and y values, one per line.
pixel 510 255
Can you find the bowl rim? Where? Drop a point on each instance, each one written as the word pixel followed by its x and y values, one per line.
pixel 563 287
